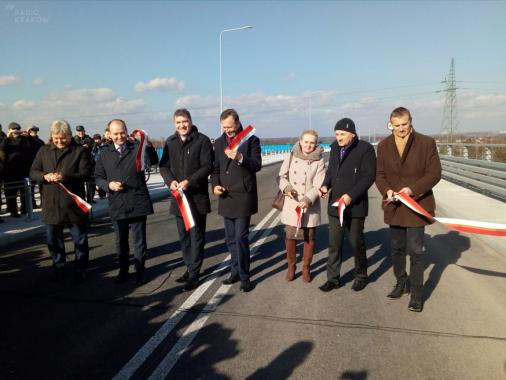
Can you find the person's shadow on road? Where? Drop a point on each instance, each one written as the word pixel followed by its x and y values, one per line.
pixel 442 250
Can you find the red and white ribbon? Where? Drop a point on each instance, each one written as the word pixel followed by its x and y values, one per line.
pixel 139 156
pixel 461 225
pixel 339 203
pixel 184 208
pixel 83 205
pixel 299 211
pixel 241 138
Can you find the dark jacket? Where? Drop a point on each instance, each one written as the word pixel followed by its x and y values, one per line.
pixel 240 199
pixel 86 140
pixel 191 160
pixel 419 169
pixel 57 206
pixel 354 175
pixel 18 157
pixel 134 200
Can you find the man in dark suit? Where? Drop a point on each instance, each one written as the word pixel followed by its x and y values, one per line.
pixel 129 201
pixel 62 161
pixel 408 162
pixel 351 171
pixel 186 163
pixel 234 181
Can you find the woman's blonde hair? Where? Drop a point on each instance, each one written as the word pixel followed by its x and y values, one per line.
pixel 311 132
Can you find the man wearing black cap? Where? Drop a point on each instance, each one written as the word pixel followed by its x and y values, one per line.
pixel 82 139
pixel 17 158
pixel 351 172
pixel 36 144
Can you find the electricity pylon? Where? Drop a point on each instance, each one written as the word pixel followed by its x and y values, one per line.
pixel 449 122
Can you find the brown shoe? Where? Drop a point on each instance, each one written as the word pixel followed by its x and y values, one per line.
pixel 307 259
pixel 290 258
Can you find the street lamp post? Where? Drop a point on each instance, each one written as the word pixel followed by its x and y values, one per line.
pixel 221 69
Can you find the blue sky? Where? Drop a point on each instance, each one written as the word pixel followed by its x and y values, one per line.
pixel 302 64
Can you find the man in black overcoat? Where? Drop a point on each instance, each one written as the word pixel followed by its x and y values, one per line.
pixel 62 161
pixel 129 201
pixel 234 181
pixel 350 173
pixel 186 163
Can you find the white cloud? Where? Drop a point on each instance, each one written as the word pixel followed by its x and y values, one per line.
pixel 160 84
pixel 290 76
pixel 23 104
pixel 39 81
pixel 6 80
pixel 2 106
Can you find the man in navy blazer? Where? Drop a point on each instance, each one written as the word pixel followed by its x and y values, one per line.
pixel 234 181
pixel 128 196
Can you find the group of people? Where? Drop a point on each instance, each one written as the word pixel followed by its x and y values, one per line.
pixel 18 149
pixel 406 162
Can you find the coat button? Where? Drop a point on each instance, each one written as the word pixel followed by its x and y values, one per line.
pixel 295 183
pixel 294 172
pixel 227 172
pixel 303 184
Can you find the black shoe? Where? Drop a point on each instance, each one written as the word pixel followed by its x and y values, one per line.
pixel 140 278
pixel 230 280
pixel 15 215
pixel 329 285
pixel 192 283
pixel 246 286
pixel 400 288
pixel 79 277
pixel 122 277
pixel 183 278
pixel 1 220
pixel 359 284
pixel 415 304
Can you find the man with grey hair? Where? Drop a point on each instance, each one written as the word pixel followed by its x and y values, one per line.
pixel 63 162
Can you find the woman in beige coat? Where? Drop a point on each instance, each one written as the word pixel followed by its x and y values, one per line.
pixel 301 175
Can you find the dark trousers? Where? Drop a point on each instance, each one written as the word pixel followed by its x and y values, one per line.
pixel 404 241
pixel 236 236
pixel 354 229
pixel 192 243
pixel 138 227
pixel 12 190
pixel 56 244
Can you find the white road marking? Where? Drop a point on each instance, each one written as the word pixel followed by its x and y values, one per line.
pixel 152 344
pixel 168 362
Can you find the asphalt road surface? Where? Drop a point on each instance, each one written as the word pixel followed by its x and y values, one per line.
pixel 101 330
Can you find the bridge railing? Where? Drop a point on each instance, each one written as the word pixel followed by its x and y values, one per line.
pixel 485 176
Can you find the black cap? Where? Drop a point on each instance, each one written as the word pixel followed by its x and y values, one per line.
pixel 96 136
pixel 14 125
pixel 34 128
pixel 79 128
pixel 345 125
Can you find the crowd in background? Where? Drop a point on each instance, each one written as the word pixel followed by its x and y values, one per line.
pixel 18 149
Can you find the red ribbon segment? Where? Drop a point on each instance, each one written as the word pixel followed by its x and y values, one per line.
pixel 299 211
pixel 184 208
pixel 83 205
pixel 341 206
pixel 461 225
pixel 139 156
pixel 242 137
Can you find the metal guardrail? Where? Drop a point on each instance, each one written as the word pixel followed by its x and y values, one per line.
pixel 483 176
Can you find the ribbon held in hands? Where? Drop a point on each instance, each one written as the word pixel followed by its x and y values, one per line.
pixel 461 225
pixel 241 138
pixel 339 203
pixel 299 211
pixel 184 208
pixel 139 156
pixel 83 205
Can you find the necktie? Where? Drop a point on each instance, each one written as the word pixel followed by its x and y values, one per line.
pixel 121 149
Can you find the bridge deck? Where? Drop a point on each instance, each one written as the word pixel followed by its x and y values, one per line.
pixel 280 330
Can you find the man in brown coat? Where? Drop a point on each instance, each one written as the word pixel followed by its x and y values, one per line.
pixel 407 162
